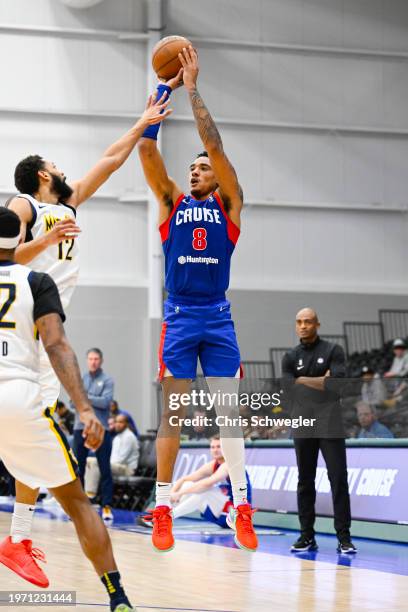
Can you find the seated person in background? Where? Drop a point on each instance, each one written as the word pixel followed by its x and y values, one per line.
pixel 116 411
pixel 372 391
pixel 124 457
pixel 370 427
pixel 207 490
pixel 400 362
pixel 65 418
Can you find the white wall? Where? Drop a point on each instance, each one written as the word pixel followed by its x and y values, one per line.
pixel 323 140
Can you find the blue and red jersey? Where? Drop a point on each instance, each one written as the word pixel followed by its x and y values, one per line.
pixel 198 241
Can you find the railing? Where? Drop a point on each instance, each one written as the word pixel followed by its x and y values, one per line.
pixel 394 322
pixel 276 356
pixel 363 336
pixel 336 339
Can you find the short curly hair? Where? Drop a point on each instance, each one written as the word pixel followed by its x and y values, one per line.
pixel 26 177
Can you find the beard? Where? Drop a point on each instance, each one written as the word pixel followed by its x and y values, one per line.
pixel 61 188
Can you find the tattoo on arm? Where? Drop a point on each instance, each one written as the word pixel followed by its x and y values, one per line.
pixel 62 357
pixel 207 129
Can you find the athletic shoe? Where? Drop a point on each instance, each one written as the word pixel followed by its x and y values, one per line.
pixel 145 521
pixel 123 608
pixel 107 513
pixel 303 544
pixel 162 536
pixel 346 547
pixel 240 520
pixel 22 559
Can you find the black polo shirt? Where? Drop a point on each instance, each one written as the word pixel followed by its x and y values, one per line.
pixel 314 360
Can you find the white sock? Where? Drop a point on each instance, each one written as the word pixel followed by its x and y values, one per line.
pixel 231 437
pixel 163 494
pixel 21 522
pixel 233 450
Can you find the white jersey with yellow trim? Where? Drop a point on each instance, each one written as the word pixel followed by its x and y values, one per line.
pixel 25 296
pixel 60 261
pixel 19 347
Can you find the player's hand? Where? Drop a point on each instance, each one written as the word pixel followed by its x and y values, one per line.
pixel 66 229
pixel 176 81
pixel 93 431
pixel 156 110
pixel 189 61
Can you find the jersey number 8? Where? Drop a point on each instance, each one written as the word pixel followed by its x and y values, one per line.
pixel 200 239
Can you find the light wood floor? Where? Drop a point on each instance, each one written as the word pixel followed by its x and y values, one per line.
pixel 206 577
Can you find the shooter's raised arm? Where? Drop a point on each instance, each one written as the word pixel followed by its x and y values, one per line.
pixel 229 187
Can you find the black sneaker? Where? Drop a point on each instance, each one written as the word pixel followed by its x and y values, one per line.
pixel 303 544
pixel 346 547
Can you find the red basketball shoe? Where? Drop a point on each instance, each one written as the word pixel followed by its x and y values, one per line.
pixel 240 520
pixel 162 536
pixel 21 558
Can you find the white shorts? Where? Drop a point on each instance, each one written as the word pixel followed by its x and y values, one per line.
pixel 32 446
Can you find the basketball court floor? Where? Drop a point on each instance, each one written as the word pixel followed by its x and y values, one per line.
pixel 207 573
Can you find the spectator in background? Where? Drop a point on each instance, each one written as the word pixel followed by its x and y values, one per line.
pixel 124 458
pixel 65 418
pixel 99 387
pixel 370 427
pixel 399 365
pixel 372 391
pixel 115 411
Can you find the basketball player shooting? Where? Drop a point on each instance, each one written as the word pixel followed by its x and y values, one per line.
pixel 199 232
pixel 47 205
pixel 32 446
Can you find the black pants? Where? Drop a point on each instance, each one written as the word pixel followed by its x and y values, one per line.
pixel 103 457
pixel 334 454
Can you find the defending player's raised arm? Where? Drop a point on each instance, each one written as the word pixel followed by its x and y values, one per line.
pixel 27 251
pixel 116 155
pixel 229 187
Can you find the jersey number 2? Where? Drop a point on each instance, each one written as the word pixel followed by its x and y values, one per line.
pixel 6 305
pixel 200 239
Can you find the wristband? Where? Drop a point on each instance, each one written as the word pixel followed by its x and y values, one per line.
pixel 152 130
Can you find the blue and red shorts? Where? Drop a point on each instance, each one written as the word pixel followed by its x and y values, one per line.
pixel 204 332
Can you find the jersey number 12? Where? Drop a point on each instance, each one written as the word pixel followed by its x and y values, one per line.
pixel 67 256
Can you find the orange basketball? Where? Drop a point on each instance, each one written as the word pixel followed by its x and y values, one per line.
pixel 165 61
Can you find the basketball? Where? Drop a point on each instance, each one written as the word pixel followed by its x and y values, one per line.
pixel 165 61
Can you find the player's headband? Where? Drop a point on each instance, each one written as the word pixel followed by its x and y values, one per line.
pixel 9 243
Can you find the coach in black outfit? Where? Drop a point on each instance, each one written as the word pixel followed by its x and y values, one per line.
pixel 310 377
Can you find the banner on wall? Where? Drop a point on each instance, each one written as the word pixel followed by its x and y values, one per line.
pixel 375 475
